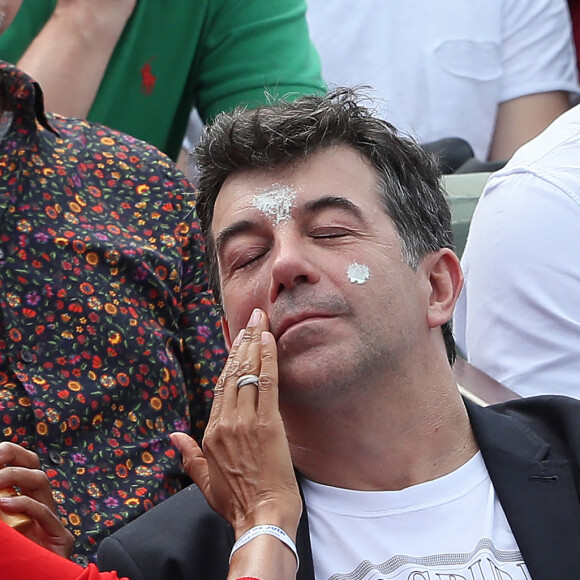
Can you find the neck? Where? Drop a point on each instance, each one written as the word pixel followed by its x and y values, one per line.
pixel 404 437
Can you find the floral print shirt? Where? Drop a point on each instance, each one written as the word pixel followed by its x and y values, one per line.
pixel 109 339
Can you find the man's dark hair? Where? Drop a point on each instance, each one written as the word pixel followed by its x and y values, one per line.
pixel 284 133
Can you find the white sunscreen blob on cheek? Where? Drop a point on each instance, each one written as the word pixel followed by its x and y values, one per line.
pixel 358 273
pixel 276 202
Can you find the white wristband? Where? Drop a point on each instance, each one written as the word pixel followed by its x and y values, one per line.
pixel 269 530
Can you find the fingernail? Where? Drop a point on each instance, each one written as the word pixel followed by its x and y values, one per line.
pixel 238 338
pixel 175 442
pixel 266 338
pixel 5 500
pixel 255 318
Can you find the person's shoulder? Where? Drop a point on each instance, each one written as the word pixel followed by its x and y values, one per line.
pixel 548 402
pixel 93 140
pixel 543 426
pixel 553 153
pixel 556 418
pixel 97 135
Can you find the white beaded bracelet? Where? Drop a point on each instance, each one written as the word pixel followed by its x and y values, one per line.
pixel 269 530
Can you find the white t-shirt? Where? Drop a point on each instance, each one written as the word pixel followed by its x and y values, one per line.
pixel 452 528
pixel 518 316
pixel 442 68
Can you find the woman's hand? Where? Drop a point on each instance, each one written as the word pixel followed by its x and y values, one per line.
pixel 245 470
pixel 21 468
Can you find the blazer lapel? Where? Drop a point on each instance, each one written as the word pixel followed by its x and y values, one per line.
pixel 537 493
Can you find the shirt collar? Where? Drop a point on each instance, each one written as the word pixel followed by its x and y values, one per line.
pixel 23 97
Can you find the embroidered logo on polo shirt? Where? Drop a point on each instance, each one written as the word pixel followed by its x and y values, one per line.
pixel 148 79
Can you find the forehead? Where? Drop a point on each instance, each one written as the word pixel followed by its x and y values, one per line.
pixel 339 171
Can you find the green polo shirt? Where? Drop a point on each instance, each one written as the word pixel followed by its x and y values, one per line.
pixel 178 54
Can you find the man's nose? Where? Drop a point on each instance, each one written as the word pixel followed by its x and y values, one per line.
pixel 293 263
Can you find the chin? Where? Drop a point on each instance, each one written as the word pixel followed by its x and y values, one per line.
pixel 309 380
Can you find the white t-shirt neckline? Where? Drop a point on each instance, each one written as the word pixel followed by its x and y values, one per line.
pixel 447 488
pixel 450 527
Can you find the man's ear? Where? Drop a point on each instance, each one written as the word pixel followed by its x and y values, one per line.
pixel 445 282
pixel 226 333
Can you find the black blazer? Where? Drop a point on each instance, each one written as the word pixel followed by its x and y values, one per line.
pixel 531 448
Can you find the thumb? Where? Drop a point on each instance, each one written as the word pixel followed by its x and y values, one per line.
pixel 194 463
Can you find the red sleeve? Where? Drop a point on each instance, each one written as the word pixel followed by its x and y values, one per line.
pixel 22 559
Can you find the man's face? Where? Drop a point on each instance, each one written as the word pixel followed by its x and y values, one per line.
pixel 312 246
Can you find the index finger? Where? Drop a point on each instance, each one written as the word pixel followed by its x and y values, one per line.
pixel 13 454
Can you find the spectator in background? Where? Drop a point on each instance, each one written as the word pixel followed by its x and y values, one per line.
pixel 493 72
pixel 140 66
pixel 518 317
pixel 108 336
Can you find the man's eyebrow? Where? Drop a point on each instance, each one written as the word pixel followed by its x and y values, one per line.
pixel 233 230
pixel 310 207
pixel 329 202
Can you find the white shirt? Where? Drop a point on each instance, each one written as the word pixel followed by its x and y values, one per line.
pixel 518 317
pixel 442 68
pixel 452 527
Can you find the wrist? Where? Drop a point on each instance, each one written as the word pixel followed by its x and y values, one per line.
pixel 267 530
pixel 284 515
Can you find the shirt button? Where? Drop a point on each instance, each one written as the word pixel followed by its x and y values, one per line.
pixel 81 560
pixel 55 457
pixel 26 355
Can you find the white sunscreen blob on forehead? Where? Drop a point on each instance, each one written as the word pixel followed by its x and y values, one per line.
pixel 358 273
pixel 276 202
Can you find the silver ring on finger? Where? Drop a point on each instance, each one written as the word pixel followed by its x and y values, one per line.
pixel 247 380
